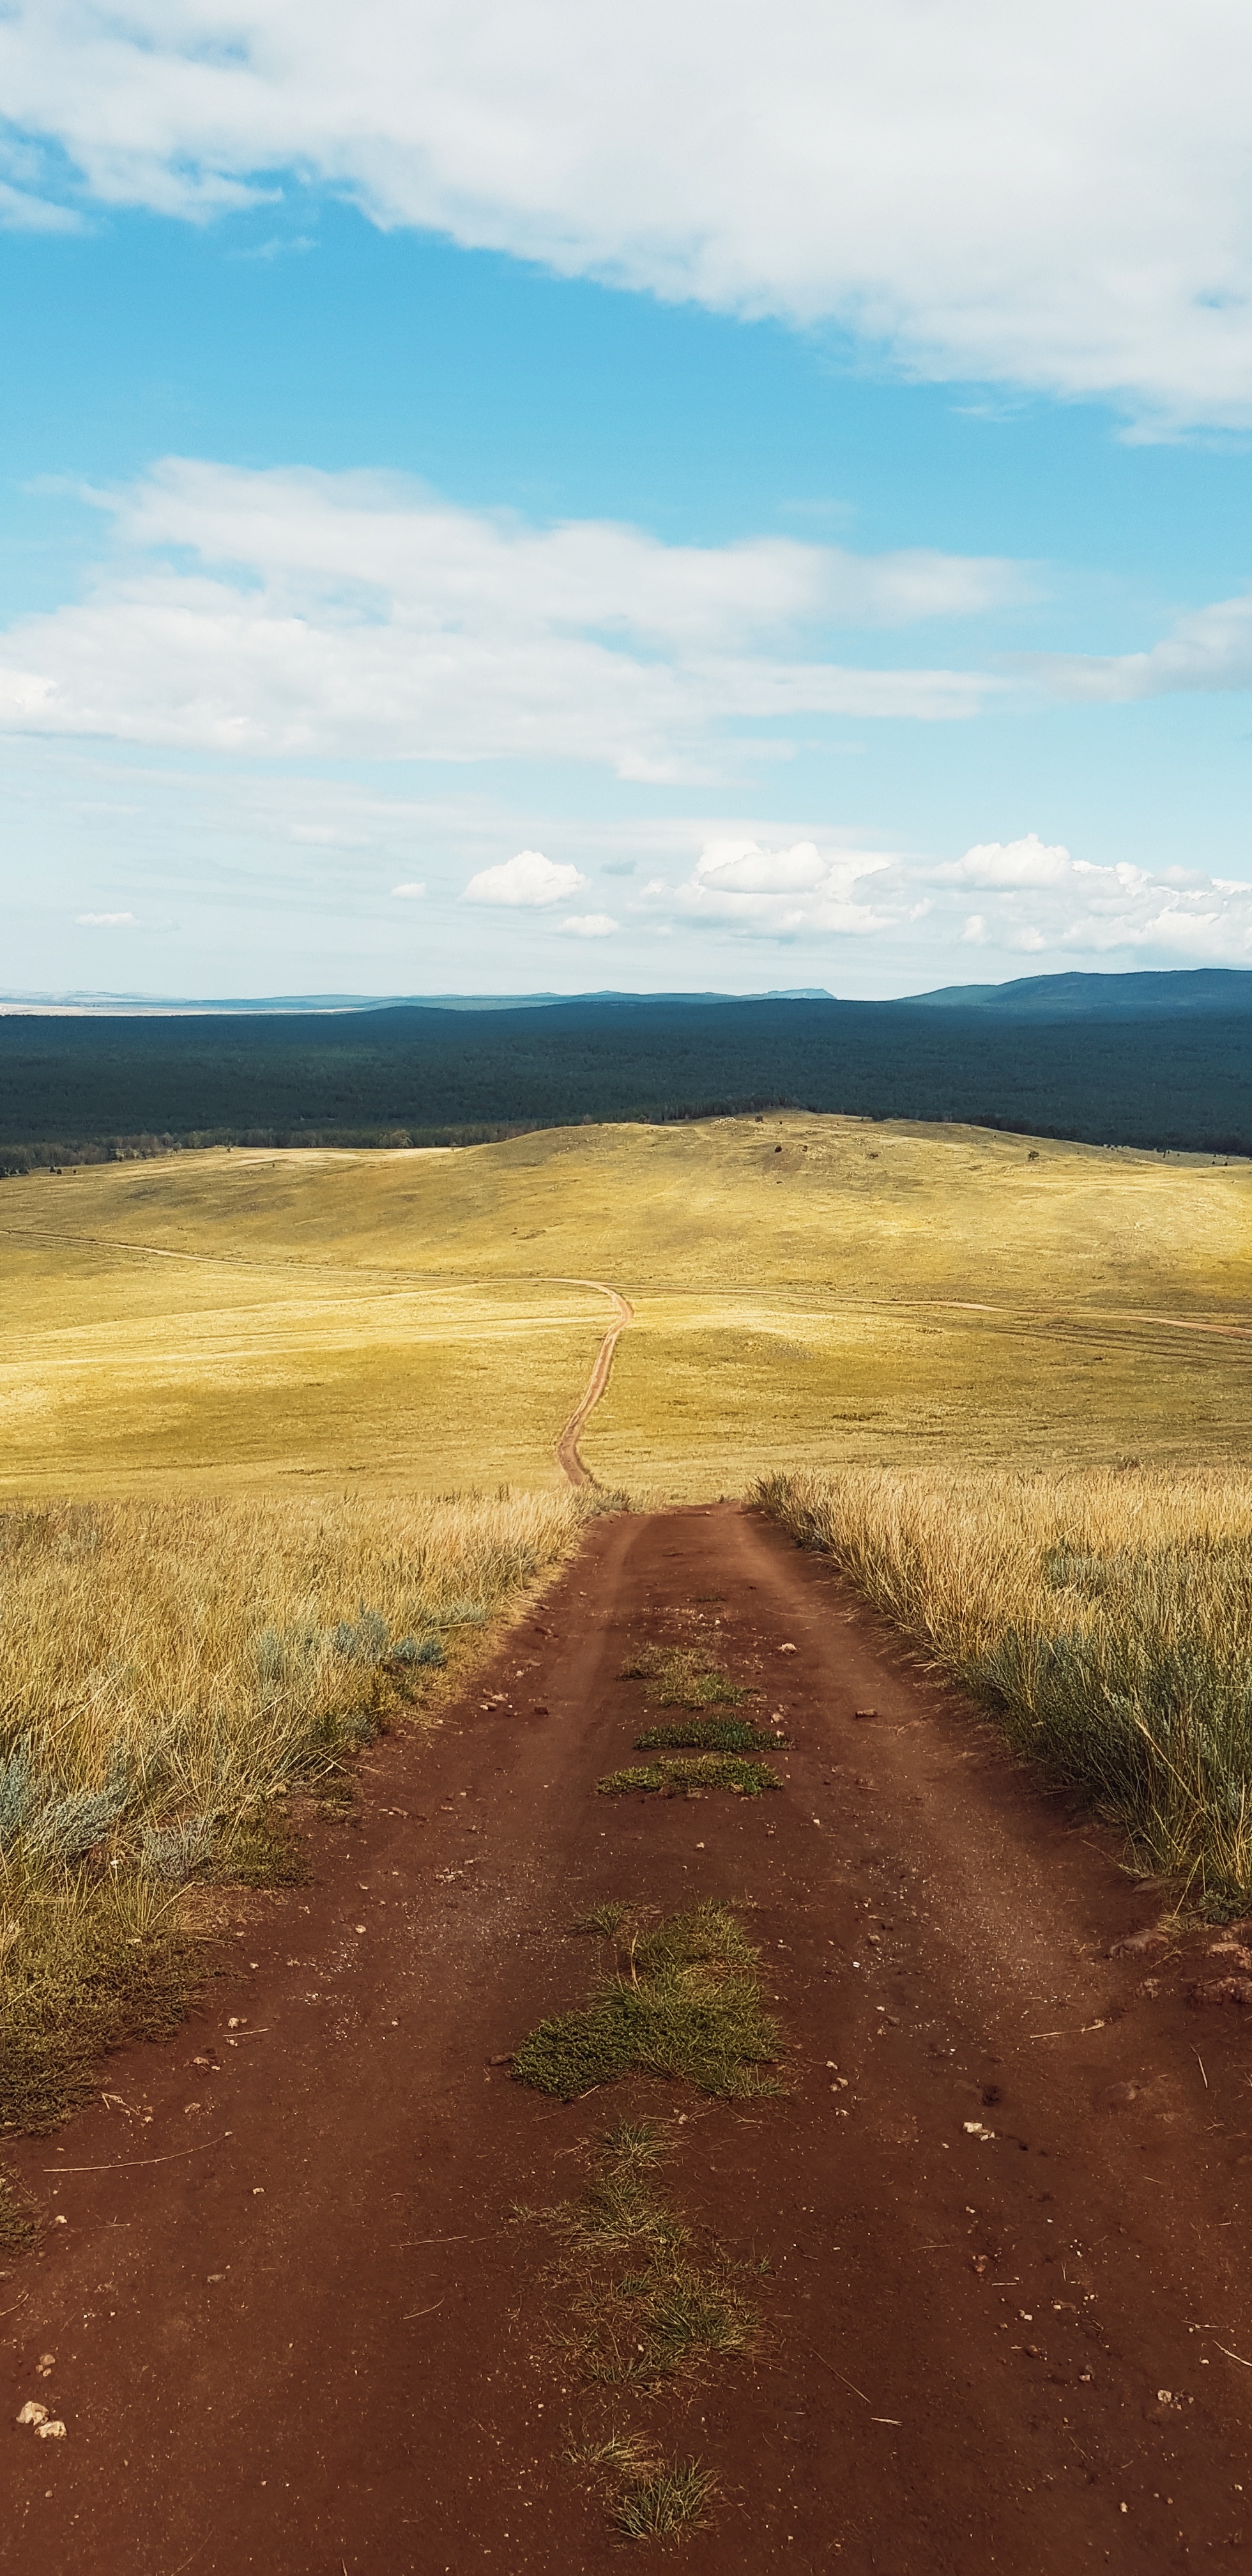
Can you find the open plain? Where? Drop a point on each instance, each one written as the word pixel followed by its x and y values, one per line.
pixel 889 2219
pixel 807 1292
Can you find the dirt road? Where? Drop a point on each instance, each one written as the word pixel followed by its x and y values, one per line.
pixel 298 2329
pixel 567 1440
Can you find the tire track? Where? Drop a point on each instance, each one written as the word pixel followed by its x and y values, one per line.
pixel 567 1440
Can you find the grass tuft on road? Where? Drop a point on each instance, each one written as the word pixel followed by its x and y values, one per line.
pixel 682 1677
pixel 711 1735
pixel 18 2226
pixel 671 2502
pixel 682 2000
pixel 667 2309
pixel 647 2305
pixel 701 1771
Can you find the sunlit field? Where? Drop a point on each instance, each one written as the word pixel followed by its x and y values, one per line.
pixel 237 1385
pixel 184 1328
pixel 867 1294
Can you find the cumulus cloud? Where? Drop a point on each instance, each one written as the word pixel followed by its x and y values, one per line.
pixel 1036 903
pixel 287 612
pixel 743 900
pixel 106 920
pixel 528 878
pixel 788 892
pixel 415 891
pixel 1060 202
pixel 1029 862
pixel 1037 900
pixel 589 925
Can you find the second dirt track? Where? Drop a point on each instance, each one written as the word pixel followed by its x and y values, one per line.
pixel 297 2326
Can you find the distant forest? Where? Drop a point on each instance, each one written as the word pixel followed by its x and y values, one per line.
pixel 91 1088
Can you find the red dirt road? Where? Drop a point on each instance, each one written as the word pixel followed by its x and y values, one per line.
pixel 320 2345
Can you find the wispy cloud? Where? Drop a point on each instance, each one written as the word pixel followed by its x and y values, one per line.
pixel 1211 649
pixel 22 212
pixel 106 920
pixel 359 615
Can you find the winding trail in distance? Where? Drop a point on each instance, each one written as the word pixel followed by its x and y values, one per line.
pixel 567 1440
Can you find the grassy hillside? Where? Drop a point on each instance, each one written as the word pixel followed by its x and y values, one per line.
pixel 809 1292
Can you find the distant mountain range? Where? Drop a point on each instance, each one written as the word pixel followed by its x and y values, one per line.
pixel 142 1006
pixel 1160 993
pixel 1163 994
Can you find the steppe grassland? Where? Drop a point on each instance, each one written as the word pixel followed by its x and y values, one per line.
pixel 398 1318
pixel 170 1670
pixel 203 1329
pixel 161 1336
pixel 1105 1617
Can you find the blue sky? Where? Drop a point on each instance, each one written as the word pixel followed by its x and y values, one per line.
pixel 476 519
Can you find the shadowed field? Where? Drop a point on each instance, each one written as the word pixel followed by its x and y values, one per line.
pixel 808 1292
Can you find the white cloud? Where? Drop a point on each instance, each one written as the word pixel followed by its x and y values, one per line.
pixel 414 890
pixel 590 925
pixel 1029 862
pixel 106 920
pixel 357 615
pixel 1037 903
pixel 1059 200
pixel 1041 901
pixel 527 879
pixel 20 212
pixel 787 892
pixel 224 901
pixel 1210 649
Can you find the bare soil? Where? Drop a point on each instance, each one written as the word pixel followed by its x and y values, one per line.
pixel 567 1456
pixel 297 2327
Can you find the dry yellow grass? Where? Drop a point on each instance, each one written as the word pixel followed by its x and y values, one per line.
pixel 166 1672
pixel 207 1646
pixel 1106 1619
pixel 229 1320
